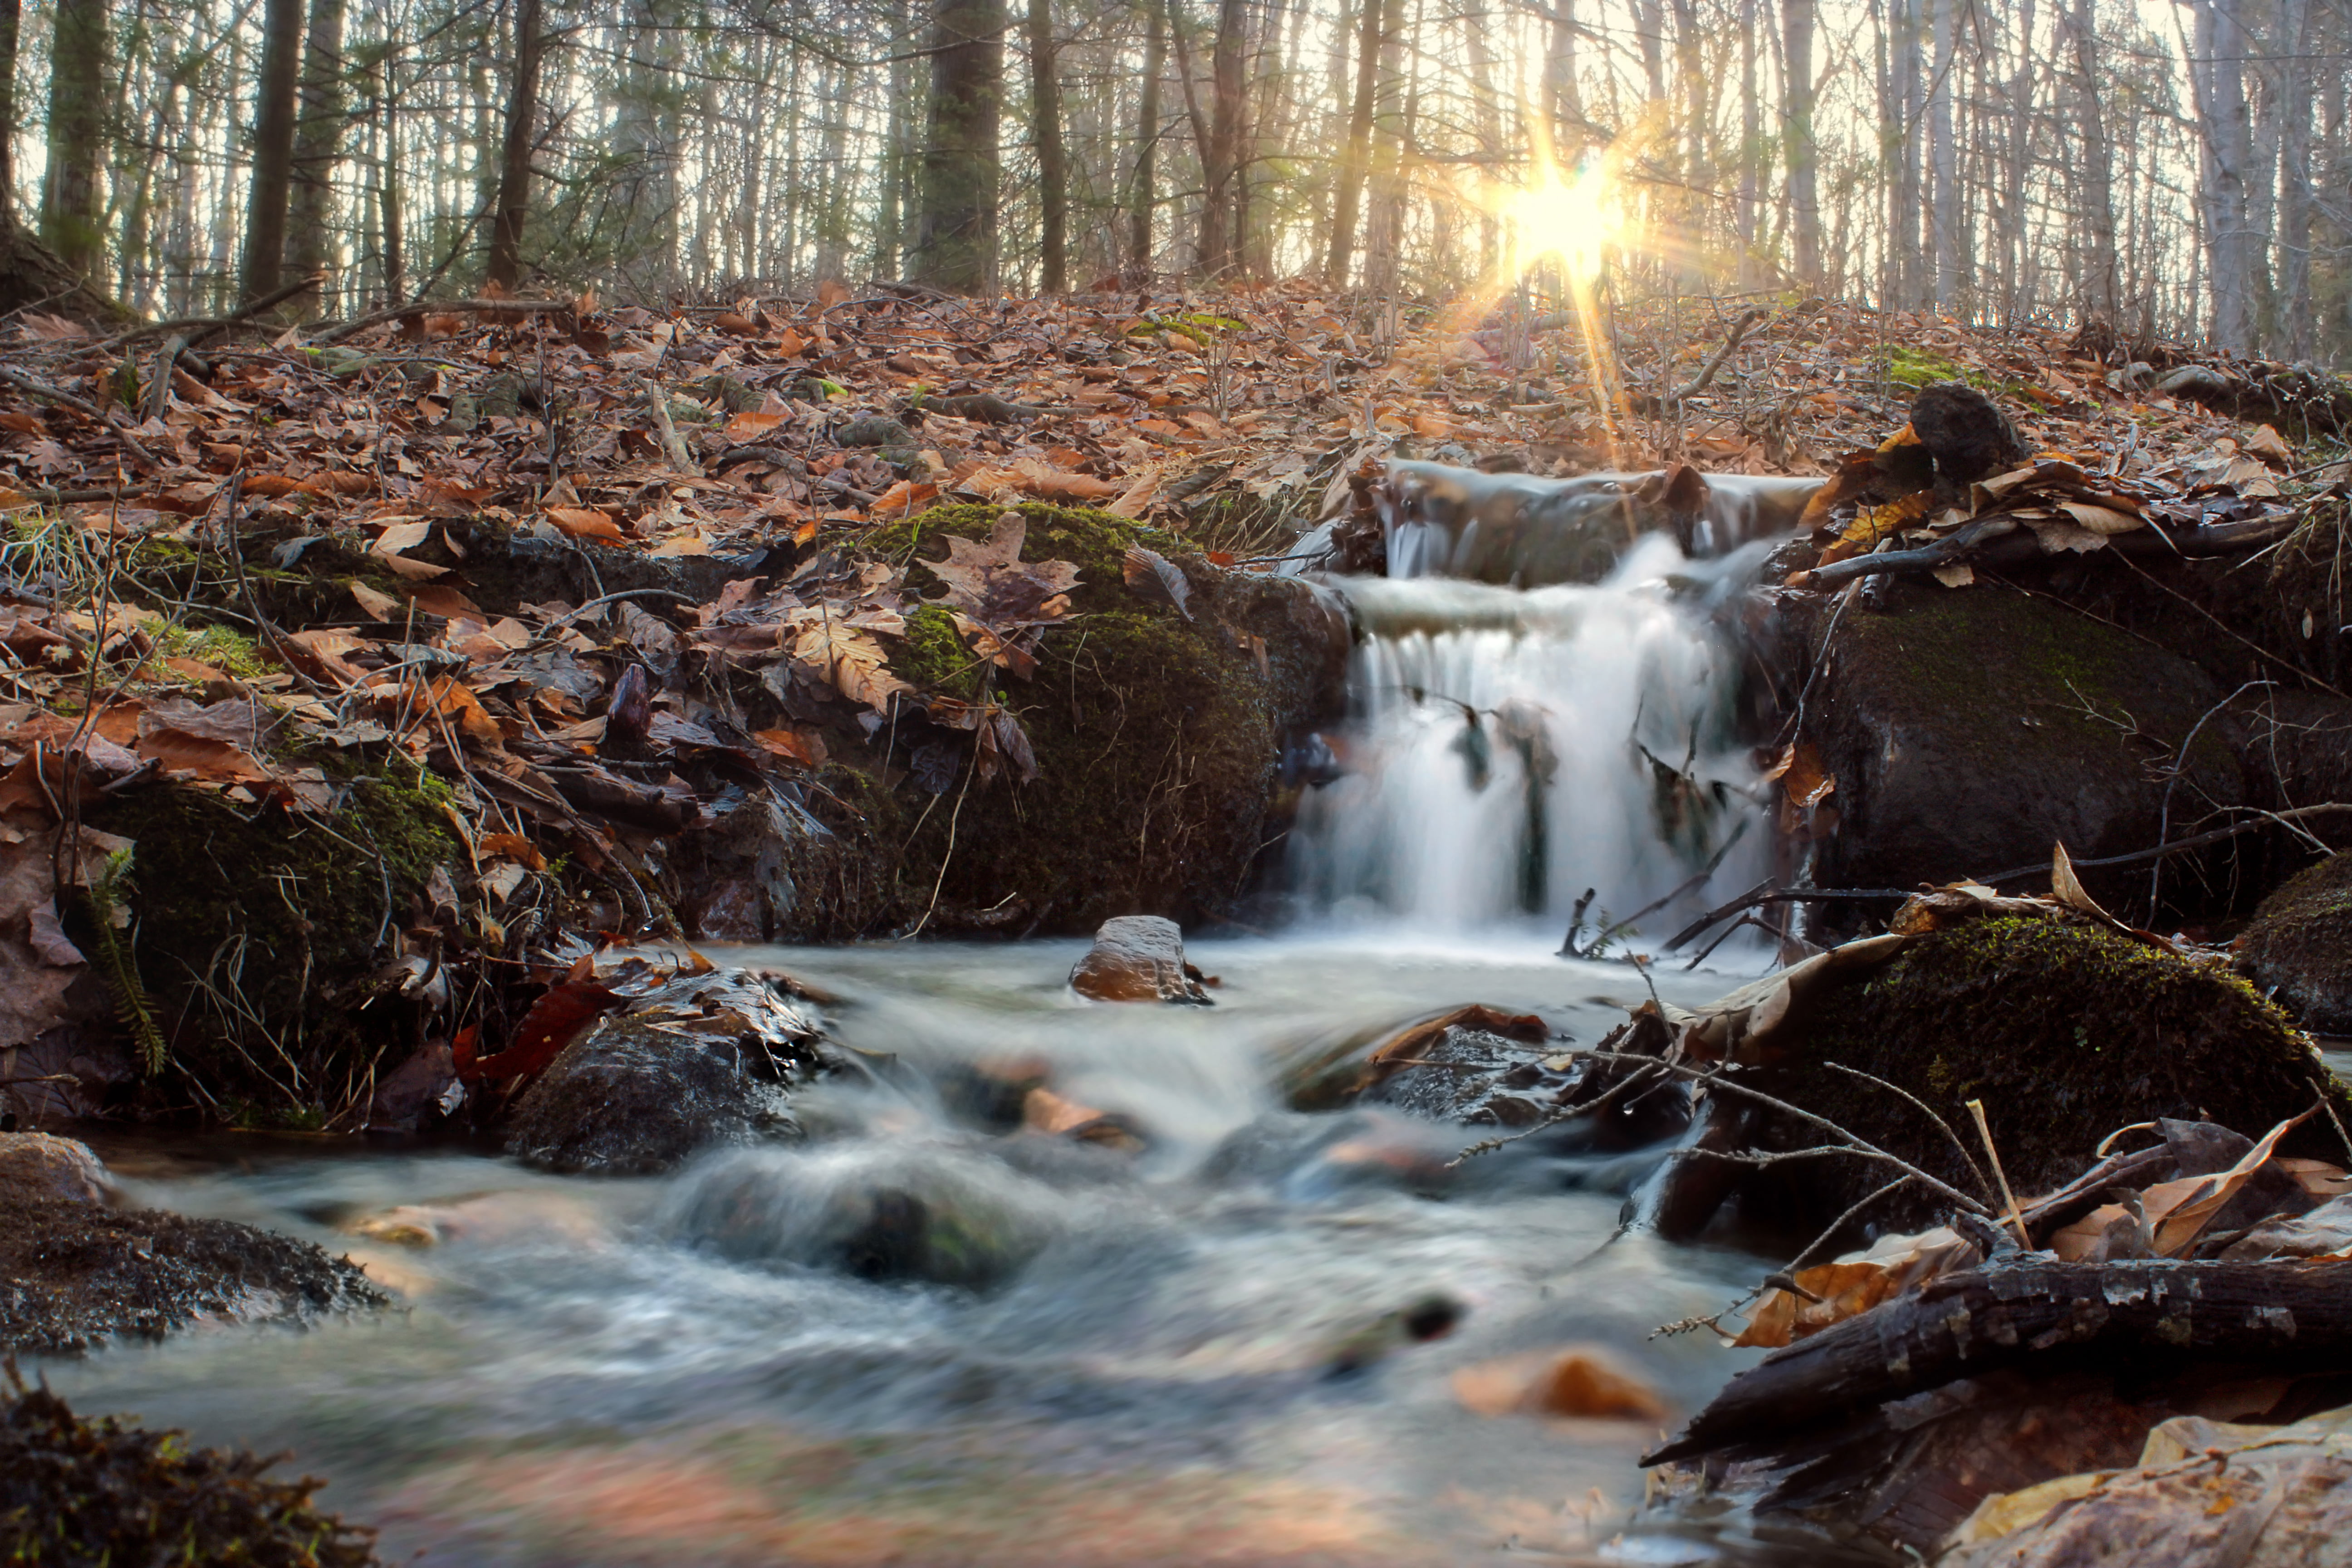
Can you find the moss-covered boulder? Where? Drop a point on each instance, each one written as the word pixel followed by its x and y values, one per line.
pixel 1156 732
pixel 2064 1028
pixel 2298 951
pixel 1969 731
pixel 631 1098
pixel 259 937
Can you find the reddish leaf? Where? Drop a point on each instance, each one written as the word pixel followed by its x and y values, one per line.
pixel 554 1021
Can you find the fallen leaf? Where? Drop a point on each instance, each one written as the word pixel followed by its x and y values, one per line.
pixel 1151 575
pixel 586 523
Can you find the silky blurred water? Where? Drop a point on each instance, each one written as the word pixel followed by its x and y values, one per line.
pixel 680 1370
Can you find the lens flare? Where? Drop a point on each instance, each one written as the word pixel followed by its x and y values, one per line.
pixel 1575 216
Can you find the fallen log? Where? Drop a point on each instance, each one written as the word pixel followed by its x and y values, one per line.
pixel 2032 1312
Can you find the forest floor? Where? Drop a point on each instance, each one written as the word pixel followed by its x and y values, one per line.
pixel 433 627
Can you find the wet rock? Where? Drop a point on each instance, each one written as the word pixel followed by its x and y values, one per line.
pixel 1138 958
pixel 424 1087
pixel 634 1097
pixel 2298 951
pixel 1575 1381
pixel 2204 1492
pixel 40 1165
pixel 1967 730
pixel 768 866
pixel 74 1272
pixel 1967 433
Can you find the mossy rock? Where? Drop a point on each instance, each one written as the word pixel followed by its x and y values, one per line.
pixel 1971 730
pixel 256 935
pixel 2298 950
pixel 2065 1029
pixel 1156 736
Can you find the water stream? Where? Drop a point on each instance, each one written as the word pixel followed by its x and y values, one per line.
pixel 1190 1353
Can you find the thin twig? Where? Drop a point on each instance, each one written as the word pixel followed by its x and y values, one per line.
pixel 1925 1110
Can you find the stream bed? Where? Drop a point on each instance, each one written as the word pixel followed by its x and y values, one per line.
pixel 1185 1354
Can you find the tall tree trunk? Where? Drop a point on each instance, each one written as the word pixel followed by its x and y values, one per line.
pixel 1564 99
pixel 1751 145
pixel 955 229
pixel 889 225
pixel 645 192
pixel 1143 193
pixel 71 205
pixel 1944 156
pixel 1804 196
pixel 318 144
pixel 1486 116
pixel 1053 164
pixel 2296 314
pixel 513 205
pixel 2218 65
pixel 2095 168
pixel 1221 153
pixel 11 15
pixel 1357 159
pixel 273 149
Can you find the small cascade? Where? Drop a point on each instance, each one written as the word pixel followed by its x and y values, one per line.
pixel 1511 749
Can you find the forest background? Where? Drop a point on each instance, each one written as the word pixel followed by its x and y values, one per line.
pixel 2181 169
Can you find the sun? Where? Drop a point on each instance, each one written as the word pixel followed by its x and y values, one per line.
pixel 1575 216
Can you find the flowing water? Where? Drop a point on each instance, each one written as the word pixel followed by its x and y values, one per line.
pixel 1192 1352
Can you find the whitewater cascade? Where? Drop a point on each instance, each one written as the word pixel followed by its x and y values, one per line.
pixel 1508 748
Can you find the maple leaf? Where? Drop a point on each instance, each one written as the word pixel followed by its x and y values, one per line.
pixel 994 586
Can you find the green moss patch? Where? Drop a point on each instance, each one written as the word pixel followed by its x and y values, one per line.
pixel 256 931
pixel 1154 737
pixel 2299 945
pixel 2064 1029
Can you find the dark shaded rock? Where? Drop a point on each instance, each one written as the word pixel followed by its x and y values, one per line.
pixel 2066 1031
pixel 85 1491
pixel 629 1098
pixel 767 865
pixel 1156 737
pixel 73 1273
pixel 1967 433
pixel 1969 731
pixel 2298 951
pixel 1138 958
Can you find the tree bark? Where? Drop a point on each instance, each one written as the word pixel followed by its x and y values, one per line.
pixel 1804 199
pixel 318 144
pixel 1053 164
pixel 1565 98
pixel 2217 71
pixel 955 229
pixel 513 205
pixel 70 206
pixel 273 149
pixel 1221 153
pixel 2296 314
pixel 11 15
pixel 1143 193
pixel 1943 156
pixel 2095 168
pixel 1357 160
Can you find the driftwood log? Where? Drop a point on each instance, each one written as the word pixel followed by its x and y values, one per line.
pixel 1966 1324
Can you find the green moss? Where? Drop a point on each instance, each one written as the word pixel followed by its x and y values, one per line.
pixel 257 931
pixel 225 648
pixel 2299 944
pixel 1919 367
pixel 2064 1029
pixel 1154 738
pixel 933 655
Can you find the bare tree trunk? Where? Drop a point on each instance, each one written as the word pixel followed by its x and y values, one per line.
pixel 2095 168
pixel 1751 145
pixel 1804 198
pixel 318 144
pixel 273 149
pixel 889 224
pixel 11 15
pixel 1143 193
pixel 2217 71
pixel 1357 159
pixel 71 209
pixel 1053 164
pixel 513 205
pixel 1943 157
pixel 1486 115
pixel 1564 99
pixel 1221 153
pixel 2296 314
pixel 955 229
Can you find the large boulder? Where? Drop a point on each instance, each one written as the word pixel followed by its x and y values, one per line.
pixel 1157 730
pixel 40 1164
pixel 632 1097
pixel 2298 950
pixel 1967 730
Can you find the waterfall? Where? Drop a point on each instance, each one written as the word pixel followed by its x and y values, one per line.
pixel 1509 749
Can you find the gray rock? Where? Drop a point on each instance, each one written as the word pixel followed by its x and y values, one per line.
pixel 40 1165
pixel 1138 958
pixel 2298 950
pixel 632 1097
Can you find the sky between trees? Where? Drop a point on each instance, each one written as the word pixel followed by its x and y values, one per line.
pixel 2179 168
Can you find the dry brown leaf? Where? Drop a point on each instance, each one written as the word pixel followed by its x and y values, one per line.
pixel 586 523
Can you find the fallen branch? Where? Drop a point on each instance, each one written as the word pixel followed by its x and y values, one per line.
pixel 1971 1323
pixel 1644 403
pixel 680 459
pixel 197 329
pixel 416 308
pixel 105 416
